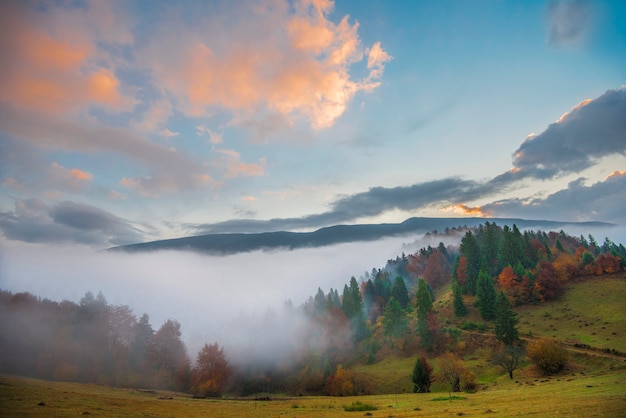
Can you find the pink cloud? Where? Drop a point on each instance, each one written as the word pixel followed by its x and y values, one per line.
pixel 233 166
pixel 53 64
pixel 251 63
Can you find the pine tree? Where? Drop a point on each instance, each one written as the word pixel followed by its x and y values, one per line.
pixel 400 293
pixel 424 305
pixel 471 250
pixel 459 306
pixel 422 376
pixel 506 320
pixel 486 295
pixel 394 320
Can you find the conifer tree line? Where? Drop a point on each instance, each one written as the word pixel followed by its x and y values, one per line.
pixel 386 311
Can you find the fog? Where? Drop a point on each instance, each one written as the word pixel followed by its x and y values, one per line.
pixel 236 300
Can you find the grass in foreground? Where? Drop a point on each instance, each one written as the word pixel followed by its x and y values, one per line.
pixel 572 395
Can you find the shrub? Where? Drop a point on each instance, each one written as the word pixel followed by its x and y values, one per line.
pixel 359 406
pixel 548 355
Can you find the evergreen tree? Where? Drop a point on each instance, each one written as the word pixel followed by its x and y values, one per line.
pixel 422 376
pixel 506 321
pixel 400 293
pixel 459 306
pixel 394 320
pixel 471 251
pixel 486 295
pixel 424 305
pixel 423 299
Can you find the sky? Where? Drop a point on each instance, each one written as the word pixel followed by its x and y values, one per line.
pixel 132 121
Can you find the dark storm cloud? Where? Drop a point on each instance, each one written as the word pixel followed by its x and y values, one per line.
pixel 568 22
pixel 34 221
pixel 591 130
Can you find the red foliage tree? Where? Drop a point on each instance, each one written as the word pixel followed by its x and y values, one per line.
pixel 211 371
pixel 547 282
pixel 461 270
pixel 437 272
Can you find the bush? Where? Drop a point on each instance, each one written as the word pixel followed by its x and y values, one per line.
pixel 548 355
pixel 359 406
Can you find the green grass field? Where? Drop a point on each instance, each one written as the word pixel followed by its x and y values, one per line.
pixel 591 312
pixel 571 395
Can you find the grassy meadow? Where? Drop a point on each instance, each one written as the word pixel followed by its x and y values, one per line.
pixel 591 312
pixel 571 395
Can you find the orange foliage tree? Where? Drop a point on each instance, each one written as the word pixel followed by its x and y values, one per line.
pixel 437 272
pixel 211 371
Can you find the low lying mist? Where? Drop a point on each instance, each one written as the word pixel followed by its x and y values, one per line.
pixel 240 301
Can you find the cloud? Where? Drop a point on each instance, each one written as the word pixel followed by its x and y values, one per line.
pixel 288 59
pixel 569 22
pixel 601 201
pixel 172 170
pixel 375 201
pixel 234 167
pixel 52 63
pixel 591 130
pixel 35 221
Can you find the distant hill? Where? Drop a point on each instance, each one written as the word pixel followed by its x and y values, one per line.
pixel 223 244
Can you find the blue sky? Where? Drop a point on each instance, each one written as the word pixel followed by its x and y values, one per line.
pixel 133 121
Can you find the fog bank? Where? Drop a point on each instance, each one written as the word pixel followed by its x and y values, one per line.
pixel 236 300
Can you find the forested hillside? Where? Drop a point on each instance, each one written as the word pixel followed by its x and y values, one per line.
pixel 419 304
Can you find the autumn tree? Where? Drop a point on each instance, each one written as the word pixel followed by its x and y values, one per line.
pixel 211 371
pixel 437 271
pixel 422 376
pixel 454 372
pixel 340 383
pixel 547 282
pixel 506 321
pixel 509 358
pixel 548 355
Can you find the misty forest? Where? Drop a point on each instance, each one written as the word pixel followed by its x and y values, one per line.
pixel 438 307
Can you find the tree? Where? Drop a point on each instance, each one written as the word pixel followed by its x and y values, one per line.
pixel 509 358
pixel 422 376
pixel 400 293
pixel 506 321
pixel 547 282
pixel 459 306
pixel 471 250
pixel 211 371
pixel 394 319
pixel 486 295
pixel 548 355
pixel 424 305
pixel 454 372
pixel 437 270
pixel 169 356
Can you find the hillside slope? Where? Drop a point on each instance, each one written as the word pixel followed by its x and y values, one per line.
pixel 240 242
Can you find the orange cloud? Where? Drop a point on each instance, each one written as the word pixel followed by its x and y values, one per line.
pixel 467 210
pixel 302 71
pixel 616 174
pixel 234 167
pixel 578 106
pixel 48 67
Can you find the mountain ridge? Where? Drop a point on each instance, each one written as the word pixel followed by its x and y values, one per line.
pixel 232 243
